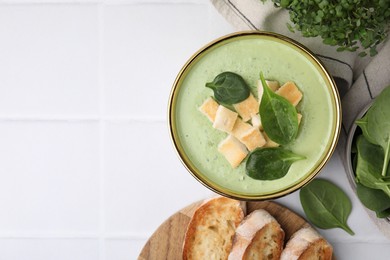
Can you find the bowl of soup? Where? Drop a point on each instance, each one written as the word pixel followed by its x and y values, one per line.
pixel 200 144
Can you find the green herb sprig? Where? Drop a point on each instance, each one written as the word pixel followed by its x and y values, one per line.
pixel 344 23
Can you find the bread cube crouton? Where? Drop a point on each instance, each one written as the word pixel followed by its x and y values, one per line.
pixel 269 142
pixel 272 84
pixel 224 119
pixel 256 122
pixel 253 139
pixel 299 118
pixel 290 92
pixel 233 150
pixel 247 108
pixel 240 128
pixel 209 108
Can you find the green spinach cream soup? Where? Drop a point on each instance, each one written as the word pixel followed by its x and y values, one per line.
pixel 248 54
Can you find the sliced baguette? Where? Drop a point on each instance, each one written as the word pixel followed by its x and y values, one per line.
pixel 211 229
pixel 259 236
pixel 307 244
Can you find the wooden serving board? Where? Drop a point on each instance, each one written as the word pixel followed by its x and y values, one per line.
pixel 167 240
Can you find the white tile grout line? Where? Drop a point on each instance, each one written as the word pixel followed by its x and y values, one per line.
pixel 75 118
pixel 75 235
pixel 102 126
pixel 106 2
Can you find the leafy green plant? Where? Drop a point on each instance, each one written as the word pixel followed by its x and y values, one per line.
pixel 270 163
pixel 326 205
pixel 345 23
pixel 229 88
pixel 278 116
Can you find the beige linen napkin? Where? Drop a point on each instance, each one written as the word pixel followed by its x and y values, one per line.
pixel 359 80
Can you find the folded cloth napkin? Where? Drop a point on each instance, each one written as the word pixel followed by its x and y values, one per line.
pixel 359 80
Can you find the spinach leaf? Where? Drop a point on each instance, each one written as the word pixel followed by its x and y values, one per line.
pixel 369 165
pixel 278 116
pixel 229 88
pixel 383 214
pixel 373 199
pixel 270 163
pixel 376 125
pixel 326 205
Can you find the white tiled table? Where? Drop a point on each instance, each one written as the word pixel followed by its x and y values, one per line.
pixel 87 167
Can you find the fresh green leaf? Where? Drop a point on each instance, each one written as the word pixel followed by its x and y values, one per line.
pixel 326 205
pixel 376 124
pixel 278 116
pixel 369 165
pixel 290 28
pixel 284 3
pixel 362 54
pixel 229 88
pixel 373 199
pixel 383 214
pixel 270 163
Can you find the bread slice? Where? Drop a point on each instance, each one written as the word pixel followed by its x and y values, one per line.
pixel 211 230
pixel 259 236
pixel 307 244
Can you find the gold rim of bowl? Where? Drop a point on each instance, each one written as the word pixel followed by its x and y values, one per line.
pixel 227 192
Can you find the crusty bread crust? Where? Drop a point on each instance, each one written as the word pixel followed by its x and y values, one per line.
pixel 307 244
pixel 259 236
pixel 211 230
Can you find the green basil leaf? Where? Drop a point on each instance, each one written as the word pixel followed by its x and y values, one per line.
pixel 270 163
pixel 373 199
pixel 369 165
pixel 278 116
pixel 229 88
pixel 326 205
